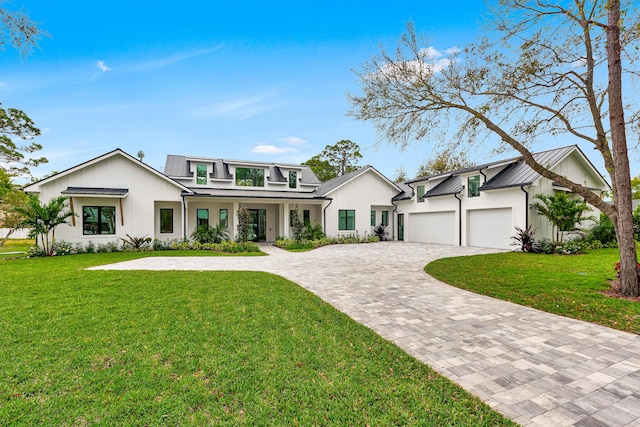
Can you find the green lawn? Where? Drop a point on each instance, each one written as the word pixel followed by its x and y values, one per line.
pixel 569 285
pixel 16 245
pixel 200 348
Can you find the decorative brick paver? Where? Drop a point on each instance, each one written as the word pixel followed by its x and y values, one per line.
pixel 537 368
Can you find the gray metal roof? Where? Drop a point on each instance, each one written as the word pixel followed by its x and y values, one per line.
pixel 451 185
pixel 336 182
pixel 275 175
pixel 220 170
pixel 255 194
pixel 91 191
pixel 406 192
pixel 519 173
pixel 177 166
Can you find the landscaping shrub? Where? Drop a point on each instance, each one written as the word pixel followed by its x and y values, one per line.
pixel 603 231
pixel 524 239
pixel 210 234
pixel 381 232
pixel 291 244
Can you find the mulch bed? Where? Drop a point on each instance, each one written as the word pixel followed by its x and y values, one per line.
pixel 614 292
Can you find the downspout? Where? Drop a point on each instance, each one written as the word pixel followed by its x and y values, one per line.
pixel 459 217
pixel 324 216
pixel 395 222
pixel 526 207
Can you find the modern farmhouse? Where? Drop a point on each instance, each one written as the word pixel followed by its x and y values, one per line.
pixel 115 195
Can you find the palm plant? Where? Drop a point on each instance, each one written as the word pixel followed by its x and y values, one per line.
pixel 564 213
pixel 42 219
pixel 210 234
pixel 313 231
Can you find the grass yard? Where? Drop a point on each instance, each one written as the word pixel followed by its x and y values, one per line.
pixel 16 245
pixel 200 348
pixel 569 285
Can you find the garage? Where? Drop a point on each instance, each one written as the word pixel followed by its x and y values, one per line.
pixel 433 227
pixel 490 228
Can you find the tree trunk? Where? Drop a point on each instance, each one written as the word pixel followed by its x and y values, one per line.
pixel 622 190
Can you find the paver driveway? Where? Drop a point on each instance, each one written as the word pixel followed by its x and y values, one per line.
pixel 534 367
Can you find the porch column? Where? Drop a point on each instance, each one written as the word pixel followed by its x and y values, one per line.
pixel 285 219
pixel 234 220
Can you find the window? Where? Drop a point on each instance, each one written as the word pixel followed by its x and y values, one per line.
pixel 306 216
pixel 202 216
pixel 166 220
pixel 223 220
pixel 98 220
pixel 293 179
pixel 373 218
pixel 201 174
pixel 474 186
pixel 249 177
pixel 420 190
pixel 346 219
pixel 385 218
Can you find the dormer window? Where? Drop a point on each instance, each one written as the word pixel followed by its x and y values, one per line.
pixel 293 179
pixel 473 187
pixel 420 191
pixel 201 174
pixel 249 177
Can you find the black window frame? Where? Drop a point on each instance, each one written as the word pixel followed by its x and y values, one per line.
pixel 343 223
pixel 163 225
pixel 99 231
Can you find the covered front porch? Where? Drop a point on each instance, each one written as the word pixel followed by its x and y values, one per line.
pixel 270 216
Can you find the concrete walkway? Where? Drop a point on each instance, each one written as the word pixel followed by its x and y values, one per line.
pixel 536 368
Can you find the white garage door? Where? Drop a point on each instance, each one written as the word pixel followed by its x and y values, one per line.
pixel 433 227
pixel 490 228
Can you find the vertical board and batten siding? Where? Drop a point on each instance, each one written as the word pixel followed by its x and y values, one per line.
pixel 138 207
pixel 360 194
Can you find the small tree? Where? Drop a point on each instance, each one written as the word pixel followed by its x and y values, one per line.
pixel 563 213
pixel 42 219
pixel 296 225
pixel 244 224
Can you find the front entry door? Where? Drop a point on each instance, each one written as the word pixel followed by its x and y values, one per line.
pixel 258 225
pixel 400 226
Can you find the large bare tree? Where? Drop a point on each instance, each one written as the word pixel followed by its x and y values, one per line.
pixel 546 69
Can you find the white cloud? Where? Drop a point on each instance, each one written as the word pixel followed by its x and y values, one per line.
pixel 272 149
pixel 101 65
pixel 170 60
pixel 430 52
pixel 239 108
pixel 293 140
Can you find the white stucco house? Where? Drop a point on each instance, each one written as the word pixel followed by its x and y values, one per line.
pixel 481 205
pixel 115 195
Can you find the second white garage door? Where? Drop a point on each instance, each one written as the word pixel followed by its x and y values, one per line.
pixel 490 228
pixel 433 227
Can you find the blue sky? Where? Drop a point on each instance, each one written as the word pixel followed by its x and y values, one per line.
pixel 264 81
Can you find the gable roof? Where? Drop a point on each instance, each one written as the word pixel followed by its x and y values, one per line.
pixel 117 152
pixel 519 173
pixel 337 182
pixel 514 174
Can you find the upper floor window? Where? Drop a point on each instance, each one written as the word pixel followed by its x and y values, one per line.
pixel 249 177
pixel 99 220
pixel 473 186
pixel 293 179
pixel 201 174
pixel 420 191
